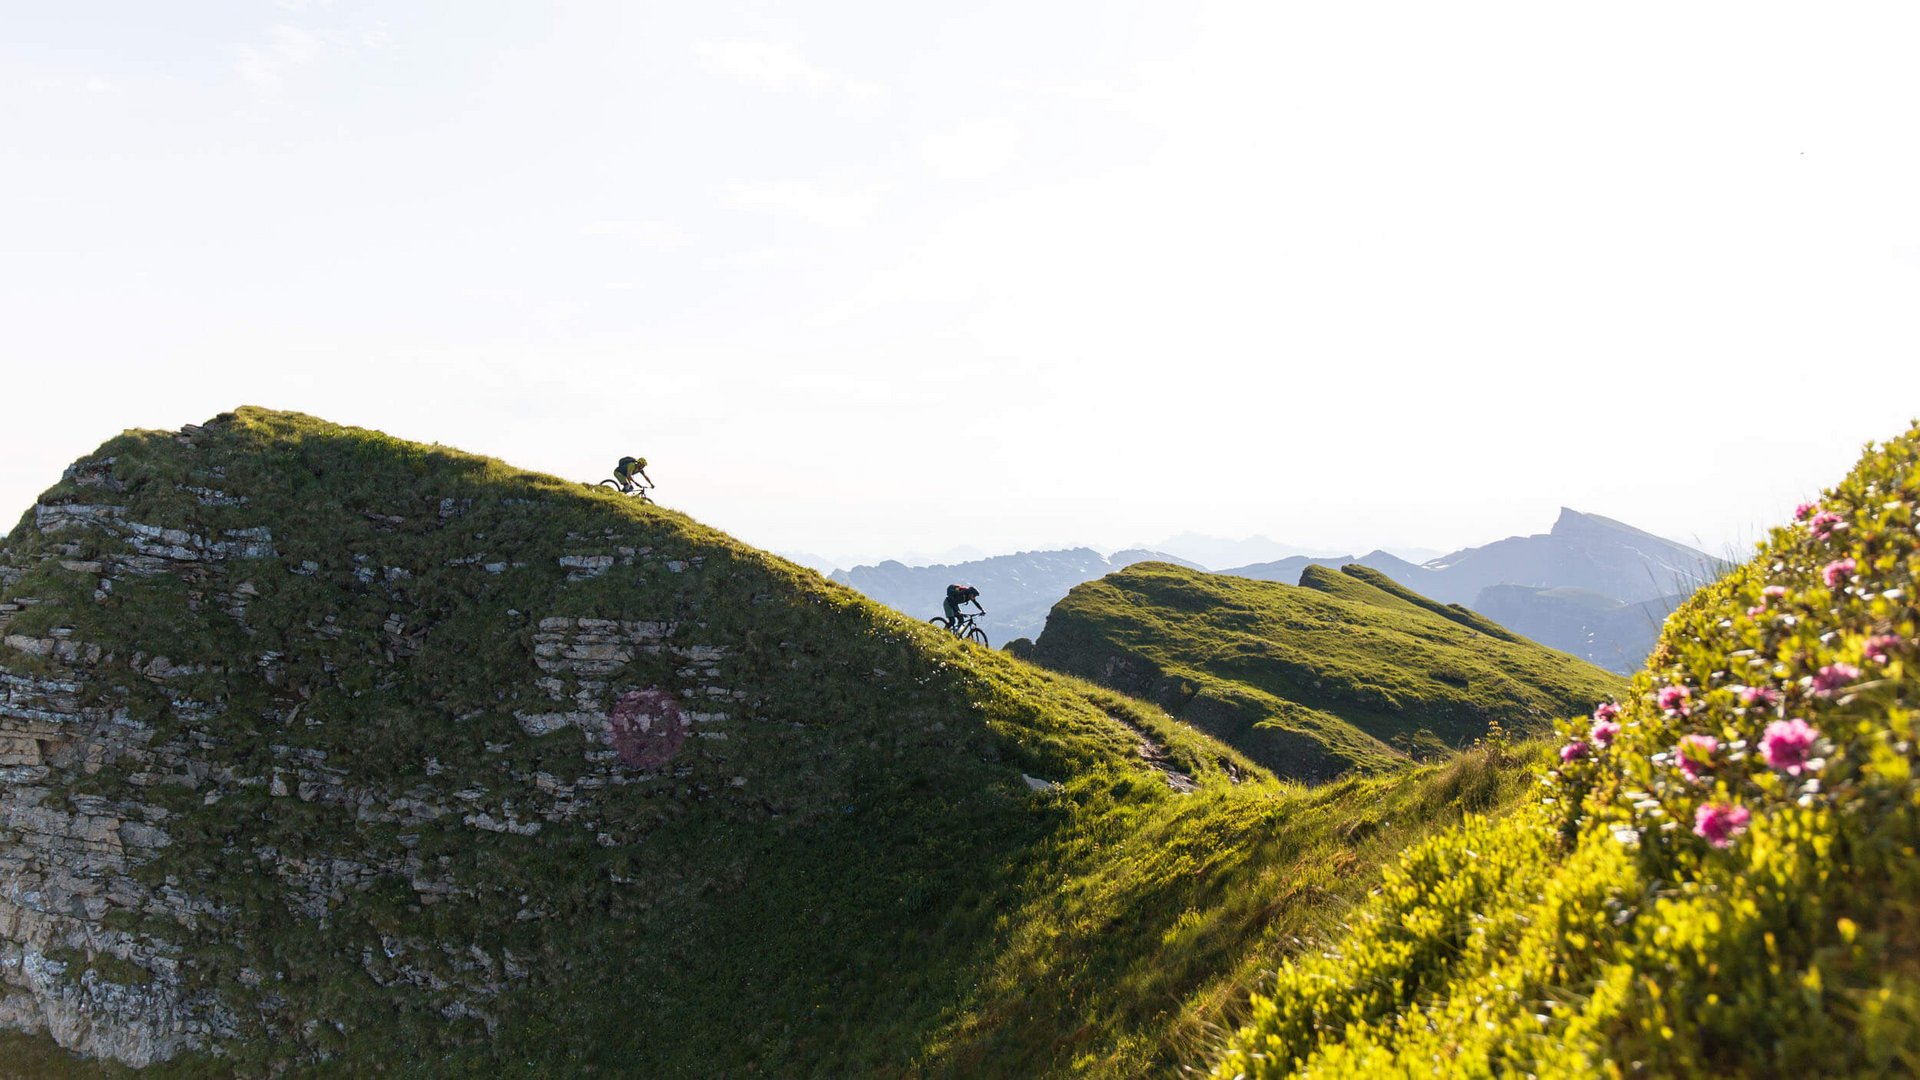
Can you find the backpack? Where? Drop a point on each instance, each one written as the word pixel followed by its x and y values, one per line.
pixel 960 594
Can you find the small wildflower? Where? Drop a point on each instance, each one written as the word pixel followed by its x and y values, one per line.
pixel 1801 512
pixel 1838 571
pixel 1694 755
pixel 1605 711
pixel 1786 744
pixel 1880 648
pixel 1573 750
pixel 1758 695
pixel 1719 823
pixel 1774 592
pixel 1832 678
pixel 1825 524
pixel 1604 732
pixel 1756 611
pixel 1673 699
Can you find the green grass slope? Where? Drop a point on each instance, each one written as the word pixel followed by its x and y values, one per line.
pixel 1141 939
pixel 841 855
pixel 1719 880
pixel 1472 620
pixel 859 879
pixel 1344 671
pixel 1131 938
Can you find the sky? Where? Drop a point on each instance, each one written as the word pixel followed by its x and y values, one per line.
pixel 862 279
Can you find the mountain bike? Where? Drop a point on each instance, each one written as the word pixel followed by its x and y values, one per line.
pixel 966 628
pixel 634 490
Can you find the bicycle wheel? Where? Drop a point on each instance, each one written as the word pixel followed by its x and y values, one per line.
pixel 941 623
pixel 977 636
pixel 609 484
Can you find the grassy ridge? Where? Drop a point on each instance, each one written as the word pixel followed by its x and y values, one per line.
pixel 1344 673
pixel 1722 877
pixel 1466 617
pixel 882 894
pixel 856 870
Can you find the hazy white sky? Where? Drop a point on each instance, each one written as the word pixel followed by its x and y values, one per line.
pixel 868 278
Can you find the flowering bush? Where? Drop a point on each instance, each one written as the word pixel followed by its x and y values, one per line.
pixel 1719 823
pixel 1786 744
pixel 1730 888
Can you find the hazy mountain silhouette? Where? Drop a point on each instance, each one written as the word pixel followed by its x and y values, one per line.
pixel 1605 563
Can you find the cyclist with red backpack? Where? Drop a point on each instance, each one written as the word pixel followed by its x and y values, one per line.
pixel 957 595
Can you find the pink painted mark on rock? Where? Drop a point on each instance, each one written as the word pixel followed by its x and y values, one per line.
pixel 646 728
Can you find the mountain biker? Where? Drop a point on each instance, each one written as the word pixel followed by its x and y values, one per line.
pixel 957 595
pixel 623 472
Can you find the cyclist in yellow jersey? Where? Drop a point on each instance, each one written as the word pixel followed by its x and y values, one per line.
pixel 625 471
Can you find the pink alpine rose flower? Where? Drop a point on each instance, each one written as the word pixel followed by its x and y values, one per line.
pixel 1605 711
pixel 1694 755
pixel 1719 823
pixel 1787 744
pixel 1774 592
pixel 1825 524
pixel 1759 695
pixel 1838 571
pixel 1832 678
pixel 1800 512
pixel 1756 611
pixel 1880 647
pixel 1604 732
pixel 1673 699
pixel 1573 750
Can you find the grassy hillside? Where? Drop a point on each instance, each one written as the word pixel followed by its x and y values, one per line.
pixel 838 852
pixel 393 822
pixel 1133 935
pixel 1721 876
pixel 1345 671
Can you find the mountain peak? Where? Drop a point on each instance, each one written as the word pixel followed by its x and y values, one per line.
pixel 1573 522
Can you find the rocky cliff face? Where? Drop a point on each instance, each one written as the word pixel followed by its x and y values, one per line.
pixel 317 745
pixel 109 753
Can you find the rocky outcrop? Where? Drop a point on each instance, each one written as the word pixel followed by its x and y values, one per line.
pixel 102 749
pixel 326 751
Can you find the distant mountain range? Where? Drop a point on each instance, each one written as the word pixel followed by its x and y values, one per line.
pixel 1017 590
pixel 1614 634
pixel 1591 586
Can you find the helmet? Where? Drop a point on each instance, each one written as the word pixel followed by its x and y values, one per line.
pixel 640 462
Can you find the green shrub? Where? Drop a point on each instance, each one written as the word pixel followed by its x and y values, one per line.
pixel 1720 878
